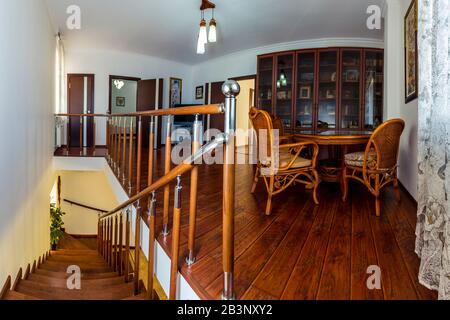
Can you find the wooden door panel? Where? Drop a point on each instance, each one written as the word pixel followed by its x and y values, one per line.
pixel 146 98
pixel 76 98
pixel 217 121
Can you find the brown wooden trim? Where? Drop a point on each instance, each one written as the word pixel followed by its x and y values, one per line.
pixel 111 77
pixel 27 272
pixel 248 77
pixel 81 236
pixel 17 280
pixel 84 206
pixel 6 288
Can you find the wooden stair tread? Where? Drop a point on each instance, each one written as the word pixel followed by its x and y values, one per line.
pixel 14 295
pixel 86 283
pixel 86 276
pixel 74 252
pixel 84 268
pixel 116 292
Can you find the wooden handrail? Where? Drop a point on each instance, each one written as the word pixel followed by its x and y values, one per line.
pixel 183 111
pixel 84 206
pixel 182 168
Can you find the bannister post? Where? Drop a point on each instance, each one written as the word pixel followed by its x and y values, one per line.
pixel 104 234
pixel 137 245
pixel 130 157
pixel 68 134
pixel 108 144
pixel 94 134
pixel 124 153
pixel 116 238
pixel 121 244
pixel 196 143
pixel 127 245
pixel 167 160
pixel 119 147
pixel 151 150
pixel 151 244
pixel 113 142
pixel 139 156
pixel 81 135
pixel 175 240
pixel 230 89
pixel 99 234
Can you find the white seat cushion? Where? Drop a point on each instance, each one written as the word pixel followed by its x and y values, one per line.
pixel 356 159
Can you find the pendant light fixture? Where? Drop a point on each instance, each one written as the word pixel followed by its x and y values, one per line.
pixel 212 37
pixel 203 35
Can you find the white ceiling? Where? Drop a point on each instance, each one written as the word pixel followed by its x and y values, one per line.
pixel 168 28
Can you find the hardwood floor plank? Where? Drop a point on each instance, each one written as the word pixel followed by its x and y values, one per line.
pixel 275 274
pixel 335 281
pixel 397 284
pixel 304 281
pixel 363 249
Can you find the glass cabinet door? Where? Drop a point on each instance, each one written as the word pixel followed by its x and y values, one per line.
pixel 327 90
pixel 350 96
pixel 304 106
pixel 373 89
pixel 265 86
pixel 284 84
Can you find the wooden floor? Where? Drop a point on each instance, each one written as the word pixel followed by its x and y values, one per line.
pixel 301 251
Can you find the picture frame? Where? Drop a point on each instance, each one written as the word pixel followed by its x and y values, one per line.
pixel 120 101
pixel 305 93
pixel 199 92
pixel 411 53
pixel 175 91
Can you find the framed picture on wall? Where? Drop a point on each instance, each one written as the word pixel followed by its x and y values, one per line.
pixel 120 101
pixel 411 60
pixel 176 90
pixel 199 93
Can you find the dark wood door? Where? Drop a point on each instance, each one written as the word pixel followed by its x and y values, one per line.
pixel 81 100
pixel 217 121
pixel 146 101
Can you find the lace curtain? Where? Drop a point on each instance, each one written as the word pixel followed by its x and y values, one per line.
pixel 433 226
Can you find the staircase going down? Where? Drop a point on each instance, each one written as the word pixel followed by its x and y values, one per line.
pixel 48 279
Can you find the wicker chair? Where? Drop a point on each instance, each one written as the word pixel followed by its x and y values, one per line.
pixel 279 125
pixel 376 167
pixel 291 168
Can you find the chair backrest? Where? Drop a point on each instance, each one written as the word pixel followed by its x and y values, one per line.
pixel 261 120
pixel 386 141
pixel 278 125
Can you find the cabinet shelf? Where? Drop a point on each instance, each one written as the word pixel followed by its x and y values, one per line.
pixel 320 77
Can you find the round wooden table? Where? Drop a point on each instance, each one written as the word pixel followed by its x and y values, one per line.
pixel 330 168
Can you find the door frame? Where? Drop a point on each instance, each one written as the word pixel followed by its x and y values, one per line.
pixel 111 77
pixel 90 128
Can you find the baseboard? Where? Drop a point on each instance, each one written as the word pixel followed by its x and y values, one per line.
pixel 83 236
pixel 402 186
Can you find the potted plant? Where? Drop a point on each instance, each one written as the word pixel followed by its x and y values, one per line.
pixel 56 224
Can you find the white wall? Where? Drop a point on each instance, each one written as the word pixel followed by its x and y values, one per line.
pixel 89 188
pixel 129 92
pixel 27 51
pixel 106 63
pixel 244 62
pixel 395 106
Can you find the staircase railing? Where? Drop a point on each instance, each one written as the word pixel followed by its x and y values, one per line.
pixel 124 150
